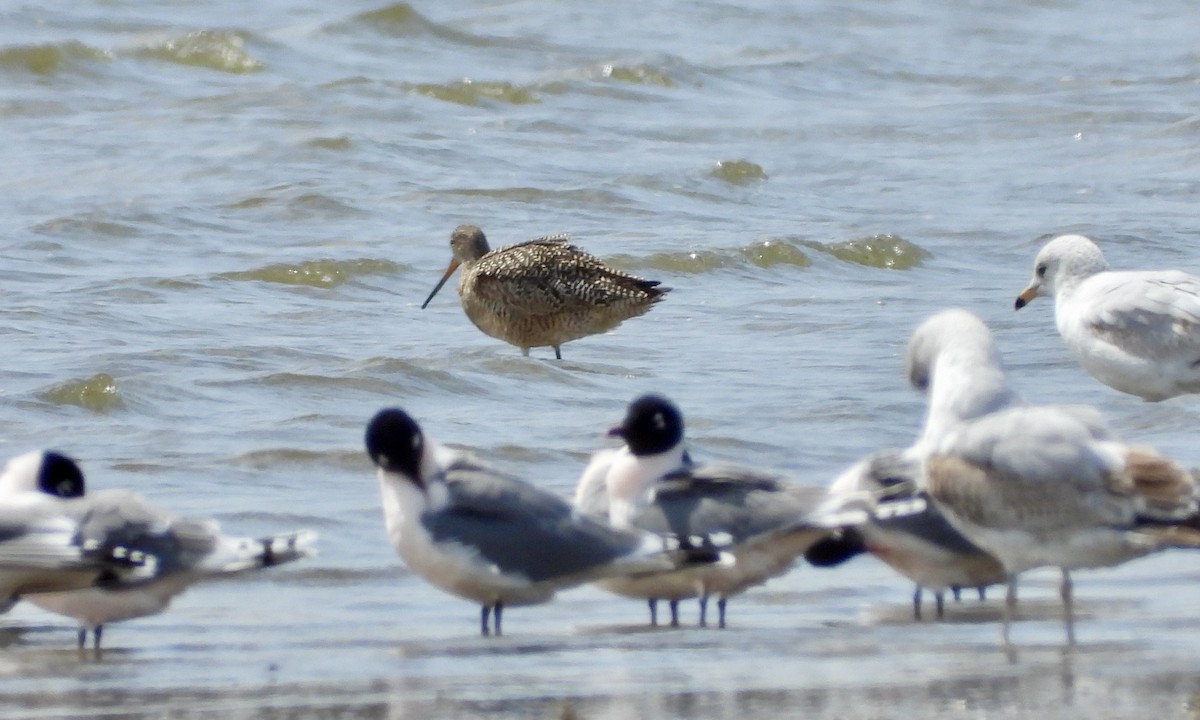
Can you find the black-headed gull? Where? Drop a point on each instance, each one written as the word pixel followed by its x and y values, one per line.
pixel 167 554
pixel 758 517
pixel 486 536
pixel 40 545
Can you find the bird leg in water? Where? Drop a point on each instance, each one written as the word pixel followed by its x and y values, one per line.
pixel 485 612
pixel 653 612
pixel 83 633
pixel 939 600
pixel 1010 606
pixel 674 605
pixel 917 603
pixel 721 612
pixel 1068 605
pixel 703 611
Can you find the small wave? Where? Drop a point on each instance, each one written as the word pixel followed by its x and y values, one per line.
pixel 50 58
pixel 397 19
pixel 295 203
pixel 770 253
pixel 638 75
pixel 340 142
pixel 763 254
pixel 888 252
pixel 401 20
pixel 213 49
pixel 90 224
pixel 274 457
pixel 472 92
pixel 97 393
pixel 534 195
pixel 738 172
pixel 316 273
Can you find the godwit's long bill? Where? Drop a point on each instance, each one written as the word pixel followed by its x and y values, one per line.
pixel 543 292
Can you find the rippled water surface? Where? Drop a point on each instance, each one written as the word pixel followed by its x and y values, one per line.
pixel 219 220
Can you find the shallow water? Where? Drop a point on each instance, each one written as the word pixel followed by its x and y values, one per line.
pixel 219 221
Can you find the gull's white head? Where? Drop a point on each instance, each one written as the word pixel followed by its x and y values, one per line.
pixel 1060 265
pixel 948 335
pixel 952 359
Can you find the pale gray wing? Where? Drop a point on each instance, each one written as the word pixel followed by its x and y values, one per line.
pixel 1147 314
pixel 721 504
pixel 120 523
pixel 1046 444
pixel 40 538
pixel 1037 468
pixel 521 529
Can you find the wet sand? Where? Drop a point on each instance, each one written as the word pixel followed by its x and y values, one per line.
pixel 830 644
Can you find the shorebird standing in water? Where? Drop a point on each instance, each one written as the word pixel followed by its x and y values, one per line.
pixel 543 292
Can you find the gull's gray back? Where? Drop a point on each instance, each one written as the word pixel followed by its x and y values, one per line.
pixel 706 500
pixel 520 529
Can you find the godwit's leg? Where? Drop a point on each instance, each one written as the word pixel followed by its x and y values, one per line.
pixel 557 353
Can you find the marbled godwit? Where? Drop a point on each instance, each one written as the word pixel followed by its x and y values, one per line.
pixel 755 516
pixel 1137 332
pixel 489 537
pixel 543 292
pixel 1040 485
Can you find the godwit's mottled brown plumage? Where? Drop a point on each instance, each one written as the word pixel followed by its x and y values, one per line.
pixel 543 292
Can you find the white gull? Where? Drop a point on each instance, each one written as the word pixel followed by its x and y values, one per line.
pixel 1135 331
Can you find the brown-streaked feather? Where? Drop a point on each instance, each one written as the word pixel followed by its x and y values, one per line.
pixel 989 498
pixel 1163 488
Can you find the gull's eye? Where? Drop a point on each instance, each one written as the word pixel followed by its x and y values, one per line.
pixel 1041 271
